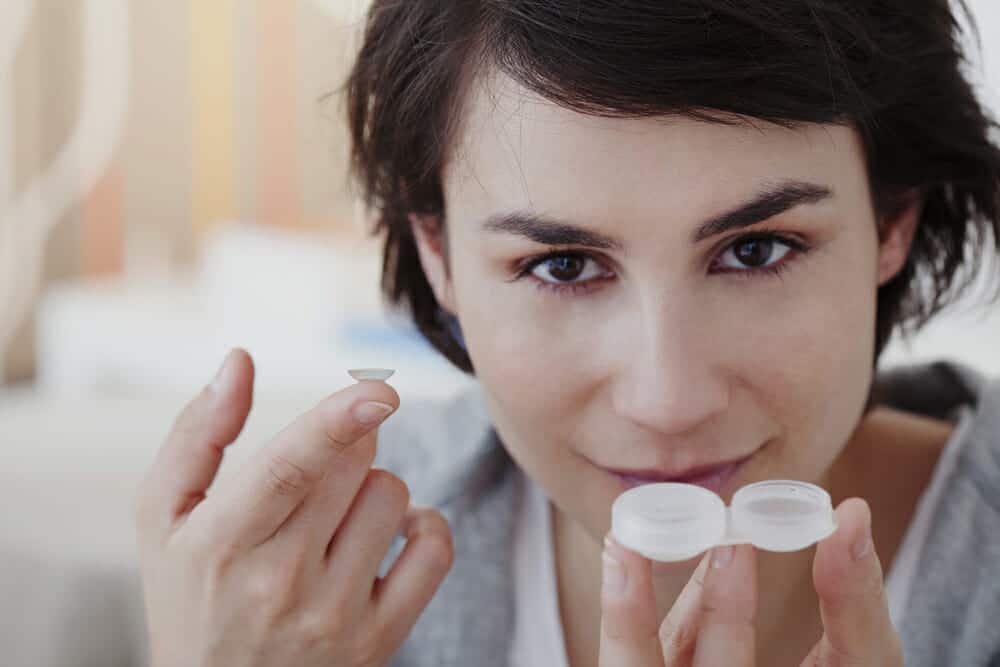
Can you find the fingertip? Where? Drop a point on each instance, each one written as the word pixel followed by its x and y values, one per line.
pixel 377 391
pixel 235 372
pixel 855 508
pixel 232 392
pixel 393 396
pixel 730 583
pixel 854 520
pixel 627 601
pixel 850 545
pixel 860 541
pixel 634 563
pixel 634 567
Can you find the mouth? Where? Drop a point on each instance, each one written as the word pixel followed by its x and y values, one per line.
pixel 714 476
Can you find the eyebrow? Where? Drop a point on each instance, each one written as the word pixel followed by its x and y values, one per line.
pixel 774 199
pixel 771 201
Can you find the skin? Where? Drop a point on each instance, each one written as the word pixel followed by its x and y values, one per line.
pixel 665 352
pixel 279 566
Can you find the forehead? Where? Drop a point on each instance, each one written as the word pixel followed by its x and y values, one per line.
pixel 517 149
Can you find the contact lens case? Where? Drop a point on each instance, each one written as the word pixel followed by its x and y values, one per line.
pixel 360 374
pixel 673 522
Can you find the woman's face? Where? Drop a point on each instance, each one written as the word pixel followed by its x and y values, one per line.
pixel 655 296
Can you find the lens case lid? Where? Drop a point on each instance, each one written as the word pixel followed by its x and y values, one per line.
pixel 674 522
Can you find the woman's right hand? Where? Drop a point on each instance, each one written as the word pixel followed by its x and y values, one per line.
pixel 280 566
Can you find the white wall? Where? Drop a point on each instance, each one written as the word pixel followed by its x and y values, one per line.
pixel 987 15
pixel 970 331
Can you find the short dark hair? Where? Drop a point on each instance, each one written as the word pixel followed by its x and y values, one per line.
pixel 891 69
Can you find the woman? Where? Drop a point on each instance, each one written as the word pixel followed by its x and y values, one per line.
pixel 670 240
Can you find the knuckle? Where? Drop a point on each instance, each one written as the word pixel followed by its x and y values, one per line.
pixel 286 478
pixel 439 553
pixel 189 419
pixel 338 442
pixel 676 637
pixel 437 524
pixel 198 547
pixel 338 437
pixel 391 489
pixel 734 612
pixel 276 592
pixel 330 623
pixel 315 629
pixel 867 593
pixel 261 587
pixel 368 649
pixel 198 544
pixel 440 544
pixel 710 606
pixel 142 509
pixel 147 506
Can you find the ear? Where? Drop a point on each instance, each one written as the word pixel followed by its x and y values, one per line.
pixel 896 236
pixel 432 247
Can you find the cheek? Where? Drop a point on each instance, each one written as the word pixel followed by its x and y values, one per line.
pixel 519 352
pixel 812 366
pixel 527 349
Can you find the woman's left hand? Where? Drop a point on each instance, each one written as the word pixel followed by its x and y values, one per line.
pixel 713 621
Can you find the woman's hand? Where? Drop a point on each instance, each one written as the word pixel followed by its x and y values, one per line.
pixel 280 566
pixel 712 622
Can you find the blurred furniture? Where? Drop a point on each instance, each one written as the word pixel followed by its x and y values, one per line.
pixel 69 469
pixel 307 306
pixel 28 216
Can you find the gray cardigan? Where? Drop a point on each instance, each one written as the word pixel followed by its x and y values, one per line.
pixel 451 458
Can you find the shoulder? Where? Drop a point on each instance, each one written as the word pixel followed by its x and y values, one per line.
pixel 979 461
pixel 948 390
pixel 955 600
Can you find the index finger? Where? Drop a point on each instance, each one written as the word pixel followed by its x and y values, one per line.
pixel 727 624
pixel 280 476
pixel 628 610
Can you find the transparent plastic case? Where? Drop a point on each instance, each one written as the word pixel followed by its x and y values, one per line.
pixel 675 522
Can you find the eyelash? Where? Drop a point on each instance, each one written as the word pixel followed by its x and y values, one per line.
pixel 796 249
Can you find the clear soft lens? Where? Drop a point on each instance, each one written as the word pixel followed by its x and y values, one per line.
pixel 371 373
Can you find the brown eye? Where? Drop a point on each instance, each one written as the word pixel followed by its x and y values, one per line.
pixel 755 252
pixel 566 268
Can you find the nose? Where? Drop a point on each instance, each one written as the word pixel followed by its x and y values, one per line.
pixel 670 380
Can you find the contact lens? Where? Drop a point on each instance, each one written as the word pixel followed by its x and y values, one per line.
pixel 371 373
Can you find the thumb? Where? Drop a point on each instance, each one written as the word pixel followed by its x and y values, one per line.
pixel 629 623
pixel 189 460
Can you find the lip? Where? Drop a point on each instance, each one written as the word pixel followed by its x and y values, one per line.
pixel 712 476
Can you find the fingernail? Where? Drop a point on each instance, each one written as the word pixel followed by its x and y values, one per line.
pixel 372 412
pixel 863 544
pixel 614 575
pixel 722 557
pixel 221 379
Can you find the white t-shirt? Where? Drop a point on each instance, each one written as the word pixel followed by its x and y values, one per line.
pixel 538 635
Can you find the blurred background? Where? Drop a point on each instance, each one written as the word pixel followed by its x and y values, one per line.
pixel 173 184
